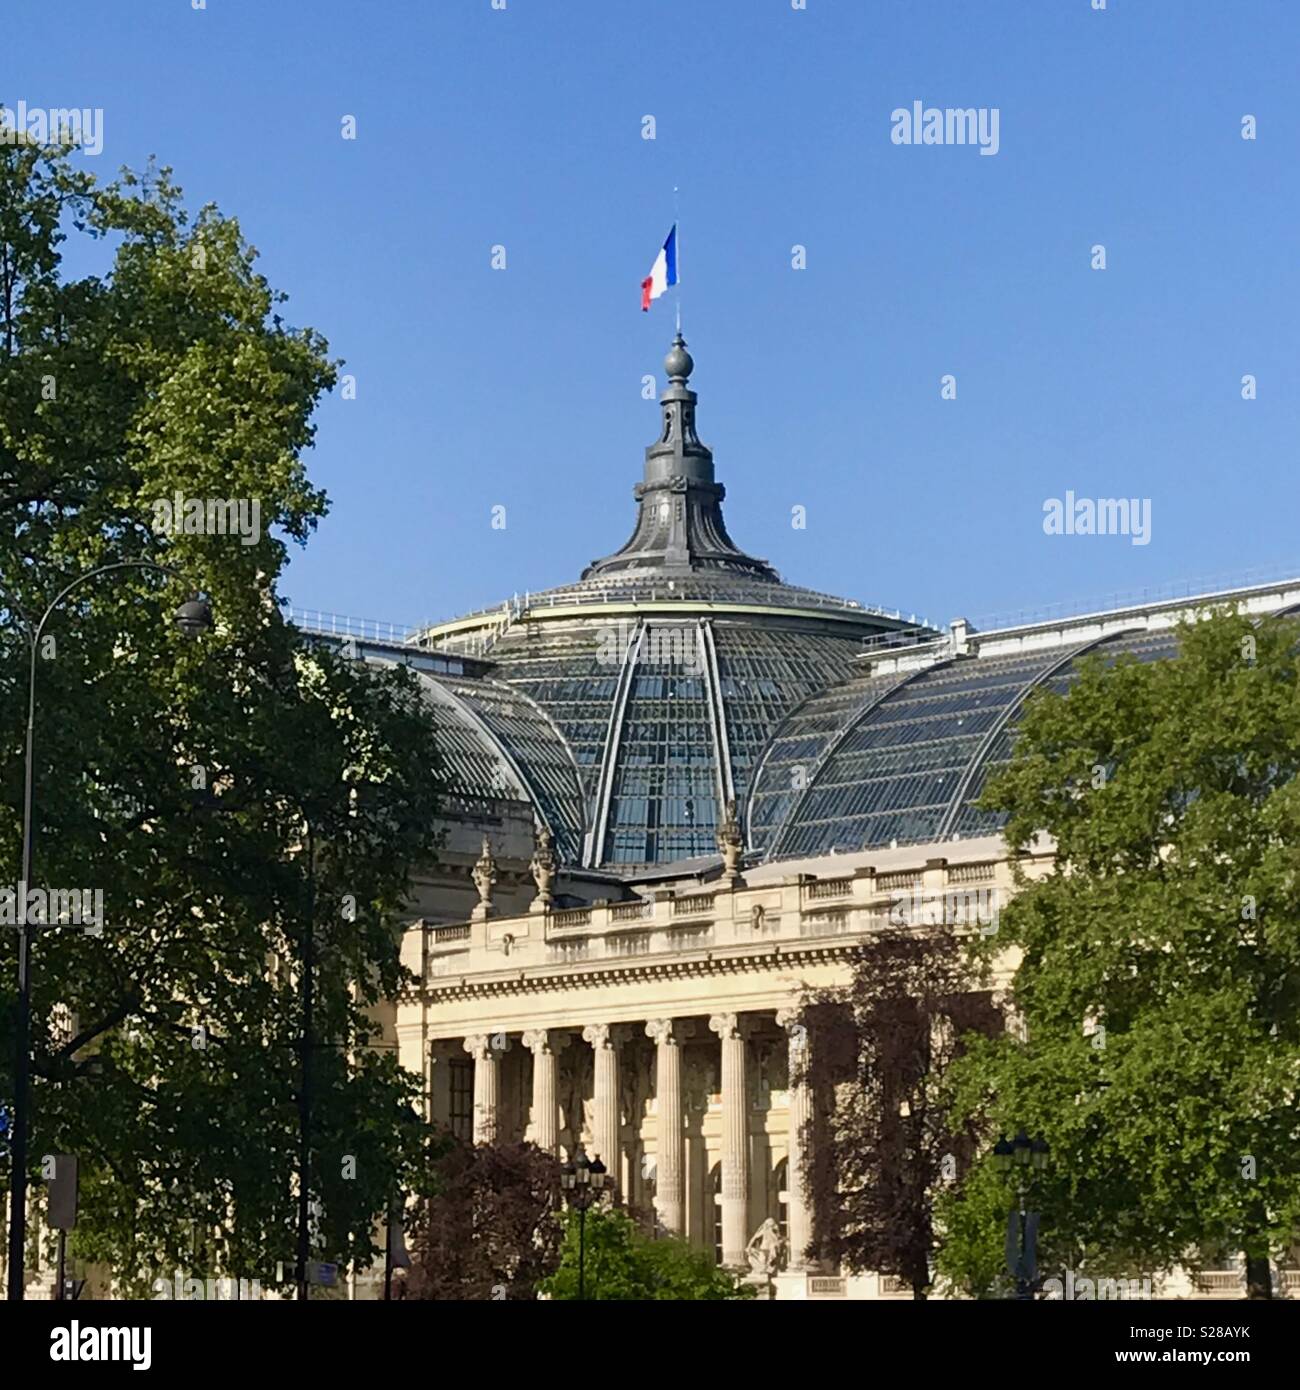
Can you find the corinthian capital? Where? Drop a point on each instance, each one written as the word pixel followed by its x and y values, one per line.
pixel 604 1034
pixel 481 1046
pixel 669 1031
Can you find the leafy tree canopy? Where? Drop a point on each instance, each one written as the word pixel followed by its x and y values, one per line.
pixel 883 1142
pixel 179 778
pixel 623 1264
pixel 490 1230
pixel 1159 975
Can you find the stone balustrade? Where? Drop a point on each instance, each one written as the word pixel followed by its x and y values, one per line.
pixel 756 915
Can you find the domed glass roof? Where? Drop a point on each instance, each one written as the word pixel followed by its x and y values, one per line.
pixel 680 674
pixel 661 673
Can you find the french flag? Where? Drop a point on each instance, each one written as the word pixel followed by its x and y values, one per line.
pixel 663 273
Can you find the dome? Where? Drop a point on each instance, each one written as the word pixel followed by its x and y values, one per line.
pixel 680 674
pixel 660 676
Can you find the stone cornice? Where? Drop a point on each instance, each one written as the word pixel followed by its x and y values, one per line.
pixel 777 956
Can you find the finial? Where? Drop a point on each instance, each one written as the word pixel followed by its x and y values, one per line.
pixel 679 363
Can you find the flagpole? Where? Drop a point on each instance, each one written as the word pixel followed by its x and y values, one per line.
pixel 677 223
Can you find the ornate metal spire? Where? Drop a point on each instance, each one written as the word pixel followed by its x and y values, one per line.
pixel 680 526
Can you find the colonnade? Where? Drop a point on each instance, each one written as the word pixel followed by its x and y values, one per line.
pixel 608 1042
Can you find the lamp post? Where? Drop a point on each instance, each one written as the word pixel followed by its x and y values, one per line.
pixel 1022 1156
pixel 193 617
pixel 583 1185
pixel 304 1091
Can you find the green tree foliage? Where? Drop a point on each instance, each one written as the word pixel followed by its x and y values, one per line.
pixel 181 778
pixel 623 1264
pixel 1159 983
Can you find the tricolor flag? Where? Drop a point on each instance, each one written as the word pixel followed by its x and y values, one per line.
pixel 663 273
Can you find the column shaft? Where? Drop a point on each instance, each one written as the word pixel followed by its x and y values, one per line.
pixel 670 1142
pixel 735 1140
pixel 546 1108
pixel 606 1126
pixel 798 1208
pixel 486 1084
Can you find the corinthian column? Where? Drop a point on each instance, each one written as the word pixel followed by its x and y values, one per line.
pixel 545 1046
pixel 735 1140
pixel 486 1054
pixel 606 1129
pixel 670 1142
pixel 798 1208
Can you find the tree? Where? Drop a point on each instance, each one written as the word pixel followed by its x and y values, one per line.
pixel 185 781
pixel 1159 980
pixel 623 1264
pixel 490 1231
pixel 878 1059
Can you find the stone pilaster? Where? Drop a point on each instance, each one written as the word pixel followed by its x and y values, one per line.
pixel 735 1139
pixel 606 1126
pixel 670 1140
pixel 798 1209
pixel 487 1064
pixel 545 1047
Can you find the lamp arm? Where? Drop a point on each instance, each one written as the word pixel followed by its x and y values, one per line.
pixel 92 574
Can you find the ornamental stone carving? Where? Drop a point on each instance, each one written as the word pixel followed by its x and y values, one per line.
pixel 766 1251
pixel 725 1025
pixel 731 844
pixel 545 1040
pixel 543 868
pixel 485 876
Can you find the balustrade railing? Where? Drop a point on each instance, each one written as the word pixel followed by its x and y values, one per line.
pixel 631 912
pixel 443 936
pixel 828 888
pixel 696 902
pixel 572 917
pixel 971 873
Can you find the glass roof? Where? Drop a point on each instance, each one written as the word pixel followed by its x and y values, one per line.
pixel 646 706
pixel 884 759
pixel 538 751
pixel 613 730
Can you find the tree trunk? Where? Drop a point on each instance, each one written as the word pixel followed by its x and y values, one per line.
pixel 1259 1279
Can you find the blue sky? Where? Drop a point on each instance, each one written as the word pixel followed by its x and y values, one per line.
pixel 819 387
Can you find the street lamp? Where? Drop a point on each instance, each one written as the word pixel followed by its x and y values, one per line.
pixel 193 617
pixel 1021 1155
pixel 583 1185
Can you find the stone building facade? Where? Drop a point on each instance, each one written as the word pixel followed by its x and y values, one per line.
pixel 684 789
